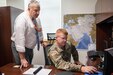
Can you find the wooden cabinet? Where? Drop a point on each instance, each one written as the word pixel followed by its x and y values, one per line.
pixel 104 24
pixel 7 17
pixel 104 31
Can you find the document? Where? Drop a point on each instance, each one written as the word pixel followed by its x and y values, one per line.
pixel 30 71
pixel 42 71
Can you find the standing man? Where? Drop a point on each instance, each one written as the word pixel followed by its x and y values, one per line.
pixel 27 32
pixel 60 54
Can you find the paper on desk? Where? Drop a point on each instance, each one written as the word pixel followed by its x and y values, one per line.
pixel 44 72
pixel 41 72
pixel 30 71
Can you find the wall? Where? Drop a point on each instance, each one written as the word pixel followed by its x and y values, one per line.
pixel 2 3
pixel 16 3
pixel 77 7
pixel 104 6
pixel 103 10
pixel 50 16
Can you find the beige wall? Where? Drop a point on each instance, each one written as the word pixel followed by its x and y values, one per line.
pixel 77 7
pixel 15 3
pixel 103 10
pixel 104 6
pixel 2 3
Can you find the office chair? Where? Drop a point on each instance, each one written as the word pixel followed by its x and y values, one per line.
pixel 50 38
pixel 95 58
pixel 47 59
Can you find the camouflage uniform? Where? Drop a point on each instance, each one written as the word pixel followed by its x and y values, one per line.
pixel 61 57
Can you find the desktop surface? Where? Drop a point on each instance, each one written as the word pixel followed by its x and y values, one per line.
pixel 10 70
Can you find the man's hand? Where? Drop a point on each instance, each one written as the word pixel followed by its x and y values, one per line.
pixel 89 69
pixel 24 63
pixel 44 44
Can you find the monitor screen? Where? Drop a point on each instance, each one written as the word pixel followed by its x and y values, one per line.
pixel 108 61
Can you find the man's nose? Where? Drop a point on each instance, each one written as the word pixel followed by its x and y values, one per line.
pixel 38 12
pixel 65 40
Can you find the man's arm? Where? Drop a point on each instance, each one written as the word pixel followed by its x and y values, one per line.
pixel 23 61
pixel 89 69
pixel 75 55
pixel 20 29
pixel 61 64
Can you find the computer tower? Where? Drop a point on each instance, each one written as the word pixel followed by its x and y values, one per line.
pixel 108 61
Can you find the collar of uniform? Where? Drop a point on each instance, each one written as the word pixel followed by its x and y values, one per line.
pixel 58 48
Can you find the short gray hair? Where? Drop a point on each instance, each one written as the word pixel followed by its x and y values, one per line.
pixel 33 2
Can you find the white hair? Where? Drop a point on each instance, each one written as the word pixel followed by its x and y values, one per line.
pixel 32 2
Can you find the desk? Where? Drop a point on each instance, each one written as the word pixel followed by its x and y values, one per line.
pixel 10 70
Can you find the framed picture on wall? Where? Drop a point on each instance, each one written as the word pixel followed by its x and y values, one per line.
pixel 81 29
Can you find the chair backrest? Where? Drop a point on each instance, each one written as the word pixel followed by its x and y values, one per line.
pixel 51 37
pixel 47 60
pixel 95 58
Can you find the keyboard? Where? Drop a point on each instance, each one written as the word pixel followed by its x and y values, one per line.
pixel 96 73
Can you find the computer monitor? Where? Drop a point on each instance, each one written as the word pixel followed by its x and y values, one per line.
pixel 108 61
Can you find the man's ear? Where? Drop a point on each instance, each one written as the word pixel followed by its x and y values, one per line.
pixel 28 8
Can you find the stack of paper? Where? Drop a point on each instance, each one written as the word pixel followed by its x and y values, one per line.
pixel 41 72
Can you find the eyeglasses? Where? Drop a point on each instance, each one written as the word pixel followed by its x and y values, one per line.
pixel 62 37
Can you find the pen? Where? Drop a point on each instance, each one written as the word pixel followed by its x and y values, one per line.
pixel 37 70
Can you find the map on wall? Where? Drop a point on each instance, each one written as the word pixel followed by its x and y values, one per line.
pixel 81 29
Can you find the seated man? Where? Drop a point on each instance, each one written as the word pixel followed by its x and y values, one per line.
pixel 60 54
